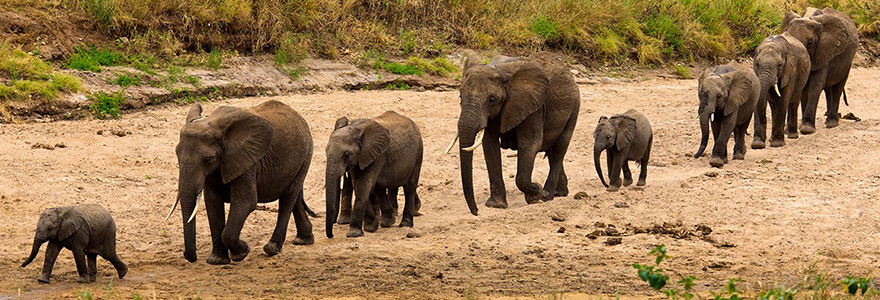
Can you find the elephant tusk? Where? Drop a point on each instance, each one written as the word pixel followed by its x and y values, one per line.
pixel 776 88
pixel 455 139
pixel 173 207
pixel 478 142
pixel 195 209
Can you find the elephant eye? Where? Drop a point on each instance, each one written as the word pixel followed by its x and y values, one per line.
pixel 208 159
pixel 492 99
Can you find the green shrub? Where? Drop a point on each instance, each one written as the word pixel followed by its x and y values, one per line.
pixel 399 85
pixel 104 105
pixel 126 79
pixel 193 80
pixel 402 69
pixel 683 72
pixel 215 59
pixel 90 58
pixel 543 27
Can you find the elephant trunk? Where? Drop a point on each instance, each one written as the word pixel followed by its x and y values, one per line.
pixel 468 126
pixel 34 250
pixel 189 197
pixel 332 192
pixel 597 152
pixel 704 129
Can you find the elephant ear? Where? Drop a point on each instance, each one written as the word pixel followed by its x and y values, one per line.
pixel 626 131
pixel 739 90
pixel 472 60
pixel 71 222
pixel 832 40
pixel 797 62
pixel 195 113
pixel 374 141
pixel 789 16
pixel 341 122
pixel 245 140
pixel 526 92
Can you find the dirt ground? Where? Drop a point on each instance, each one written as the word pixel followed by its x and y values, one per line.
pixel 811 205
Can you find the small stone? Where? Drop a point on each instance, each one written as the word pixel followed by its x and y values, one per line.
pixel 613 241
pixel 611 231
pixel 580 195
pixel 557 216
pixel 412 235
pixel 599 224
pixel 42 146
pixel 60 145
pixel 100 132
pixel 621 205
pixel 561 230
pixel 711 174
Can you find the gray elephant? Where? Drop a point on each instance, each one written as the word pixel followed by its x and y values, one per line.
pixel 626 137
pixel 728 95
pixel 832 40
pixel 378 154
pixel 529 105
pixel 86 230
pixel 783 66
pixel 347 190
pixel 243 157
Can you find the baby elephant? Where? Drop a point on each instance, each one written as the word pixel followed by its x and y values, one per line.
pixel 87 230
pixel 728 96
pixel 627 137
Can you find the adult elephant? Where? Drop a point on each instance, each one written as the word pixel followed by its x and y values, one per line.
pixel 832 40
pixel 783 67
pixel 529 105
pixel 243 157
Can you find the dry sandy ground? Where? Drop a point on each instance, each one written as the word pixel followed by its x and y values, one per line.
pixel 810 205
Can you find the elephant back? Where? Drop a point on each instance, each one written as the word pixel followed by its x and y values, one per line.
pixel 405 135
pixel 287 124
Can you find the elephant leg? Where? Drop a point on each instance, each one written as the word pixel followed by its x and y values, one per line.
pixel 779 112
pixel 417 204
pixel 492 153
pixel 609 161
pixel 562 184
pixel 719 151
pixel 760 135
pixel 556 155
pixel 243 201
pixel 627 175
pixel 345 209
pixel 216 210
pixel 392 199
pixel 618 160
pixel 110 255
pixel 51 255
pixel 285 209
pixel 91 263
pixel 716 128
pixel 371 215
pixel 79 256
pixel 409 193
pixel 643 163
pixel 792 125
pixel 388 211
pixel 525 164
pixel 815 84
pixel 739 141
pixel 363 190
pixel 832 100
pixel 304 235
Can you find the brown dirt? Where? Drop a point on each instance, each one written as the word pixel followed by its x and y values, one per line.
pixel 812 204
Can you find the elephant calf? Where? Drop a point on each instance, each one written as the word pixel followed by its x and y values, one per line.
pixel 381 153
pixel 87 230
pixel 626 137
pixel 782 65
pixel 728 96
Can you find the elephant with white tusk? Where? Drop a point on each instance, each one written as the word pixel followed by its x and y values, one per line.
pixel 525 104
pixel 782 65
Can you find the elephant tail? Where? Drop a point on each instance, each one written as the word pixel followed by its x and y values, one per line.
pixel 306 207
pixel 844 98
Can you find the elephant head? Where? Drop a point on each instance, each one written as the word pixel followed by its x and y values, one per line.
pixel 230 142
pixel 776 64
pixel 504 92
pixel 824 35
pixel 617 132
pixel 352 145
pixel 55 224
pixel 723 91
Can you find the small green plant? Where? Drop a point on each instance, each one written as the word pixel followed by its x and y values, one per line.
pixel 544 27
pixel 85 294
pixel 855 285
pixel 101 10
pixel 148 176
pixel 126 79
pixel 653 275
pixel 402 69
pixel 136 296
pixel 398 85
pixel 407 41
pixel 90 58
pixel 193 80
pixel 215 59
pixel 297 72
pixel 104 105
pixel 683 72
pixel 730 291
pixel 174 74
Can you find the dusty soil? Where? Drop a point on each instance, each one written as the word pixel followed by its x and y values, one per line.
pixel 768 219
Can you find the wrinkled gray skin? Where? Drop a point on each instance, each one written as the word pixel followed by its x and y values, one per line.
pixel 378 154
pixel 728 95
pixel 529 105
pixel 626 137
pixel 86 230
pixel 832 40
pixel 243 157
pixel 783 66
pixel 346 199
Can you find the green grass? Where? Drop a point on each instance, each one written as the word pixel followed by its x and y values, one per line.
pixel 215 60
pixel 104 105
pixel 296 72
pixel 126 79
pixel 30 78
pixel 544 27
pixel 91 58
pixel 682 71
pixel 400 86
pixel 193 80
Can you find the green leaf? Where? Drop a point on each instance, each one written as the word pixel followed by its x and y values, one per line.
pixel 864 287
pixel 853 288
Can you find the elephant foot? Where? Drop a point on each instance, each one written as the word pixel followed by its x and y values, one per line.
pixel 495 203
pixel 641 182
pixel 371 226
pixel 217 259
pixel 777 143
pixel 757 144
pixel 532 199
pixel 716 162
pixel 793 134
pixel 343 218
pixel 121 271
pixel 299 241
pixel 406 223
pixel 807 128
pixel 240 255
pixel 354 232
pixel 560 193
pixel 43 278
pixel 92 278
pixel 272 248
pixel 831 123
pixel 387 221
pixel 83 279
pixel 627 181
pixel 738 156
pixel 612 188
